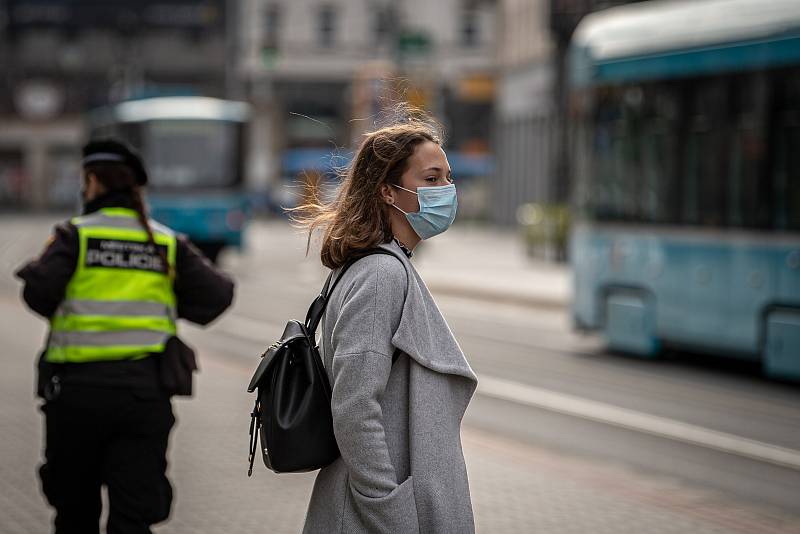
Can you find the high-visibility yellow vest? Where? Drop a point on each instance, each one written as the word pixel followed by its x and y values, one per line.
pixel 119 303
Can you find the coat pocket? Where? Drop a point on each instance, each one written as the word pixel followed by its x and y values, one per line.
pixel 395 512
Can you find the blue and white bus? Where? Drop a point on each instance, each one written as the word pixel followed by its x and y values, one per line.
pixel 685 153
pixel 193 148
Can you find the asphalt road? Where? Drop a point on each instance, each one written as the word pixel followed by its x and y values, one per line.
pixel 707 424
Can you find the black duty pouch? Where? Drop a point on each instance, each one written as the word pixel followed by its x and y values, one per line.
pixel 177 367
pixel 44 374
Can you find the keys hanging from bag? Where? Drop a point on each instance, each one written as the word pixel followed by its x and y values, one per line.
pixel 292 411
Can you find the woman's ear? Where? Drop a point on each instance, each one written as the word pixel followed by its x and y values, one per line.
pixel 387 194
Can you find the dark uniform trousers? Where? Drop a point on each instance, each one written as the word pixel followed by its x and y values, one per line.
pixel 107 436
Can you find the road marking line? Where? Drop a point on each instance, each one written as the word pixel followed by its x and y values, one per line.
pixel 641 422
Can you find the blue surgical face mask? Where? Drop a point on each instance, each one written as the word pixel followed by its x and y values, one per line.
pixel 437 209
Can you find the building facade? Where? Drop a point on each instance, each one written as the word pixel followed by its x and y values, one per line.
pixel 525 109
pixel 531 128
pixel 61 59
pixel 320 73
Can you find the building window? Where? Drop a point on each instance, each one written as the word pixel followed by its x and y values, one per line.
pixel 381 19
pixel 326 25
pixel 470 30
pixel 271 25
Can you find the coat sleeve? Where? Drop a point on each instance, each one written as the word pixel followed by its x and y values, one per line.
pixel 202 291
pixel 47 276
pixel 362 361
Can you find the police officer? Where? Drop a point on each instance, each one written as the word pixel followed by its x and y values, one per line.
pixel 112 284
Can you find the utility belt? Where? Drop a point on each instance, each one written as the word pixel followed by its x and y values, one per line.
pixel 166 373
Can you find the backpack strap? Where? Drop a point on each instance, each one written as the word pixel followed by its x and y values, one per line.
pixel 317 308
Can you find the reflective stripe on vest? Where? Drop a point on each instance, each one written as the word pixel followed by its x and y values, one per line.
pixel 119 303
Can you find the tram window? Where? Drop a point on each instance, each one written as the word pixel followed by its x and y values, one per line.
pixel 748 191
pixel 582 169
pixel 132 133
pixel 616 147
pixel 786 149
pixel 629 158
pixel 607 119
pixel 703 178
pixel 184 153
pixel 128 132
pixel 659 148
pixel 102 132
pixel 722 151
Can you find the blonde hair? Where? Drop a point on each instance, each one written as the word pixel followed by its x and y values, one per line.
pixel 357 218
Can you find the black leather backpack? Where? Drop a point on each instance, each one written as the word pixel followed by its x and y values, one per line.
pixel 292 412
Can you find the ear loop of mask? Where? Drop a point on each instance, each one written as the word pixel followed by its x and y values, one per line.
pixel 399 209
pixel 404 189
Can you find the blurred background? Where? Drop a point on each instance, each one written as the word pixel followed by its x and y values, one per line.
pixel 623 275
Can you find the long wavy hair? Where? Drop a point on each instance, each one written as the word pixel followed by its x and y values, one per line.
pixel 358 217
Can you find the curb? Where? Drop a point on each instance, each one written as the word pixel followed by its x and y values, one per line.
pixel 501 297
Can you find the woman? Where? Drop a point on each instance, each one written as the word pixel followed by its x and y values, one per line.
pixel 400 381
pixel 113 283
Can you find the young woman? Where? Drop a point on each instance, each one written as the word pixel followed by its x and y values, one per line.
pixel 400 381
pixel 112 284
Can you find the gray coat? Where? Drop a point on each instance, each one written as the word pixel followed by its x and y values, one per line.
pixel 398 426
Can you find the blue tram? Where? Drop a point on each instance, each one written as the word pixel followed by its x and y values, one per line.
pixel 685 147
pixel 194 151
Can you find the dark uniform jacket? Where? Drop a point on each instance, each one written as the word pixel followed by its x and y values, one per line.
pixel 202 293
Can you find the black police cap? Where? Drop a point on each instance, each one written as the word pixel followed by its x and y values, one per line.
pixel 114 151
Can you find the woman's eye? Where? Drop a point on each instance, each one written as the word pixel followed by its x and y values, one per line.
pixel 431 179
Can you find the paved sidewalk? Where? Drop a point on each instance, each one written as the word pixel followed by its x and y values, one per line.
pixel 515 488
pixel 489 263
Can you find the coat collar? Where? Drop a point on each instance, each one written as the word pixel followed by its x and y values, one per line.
pixel 423 333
